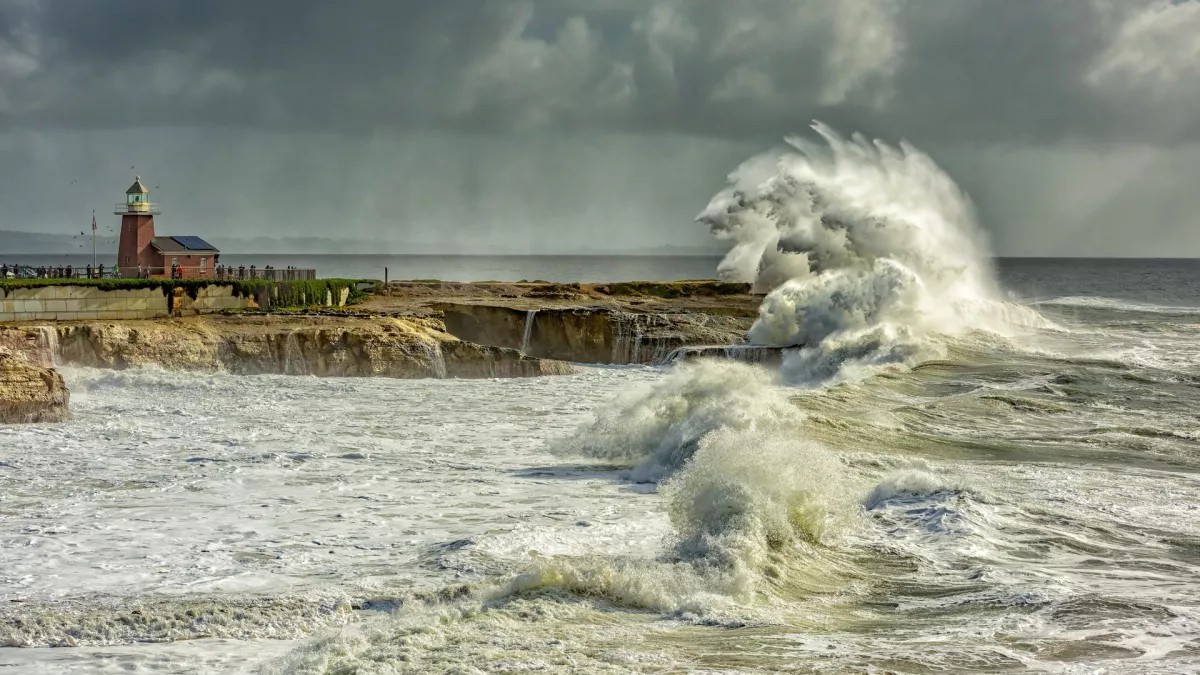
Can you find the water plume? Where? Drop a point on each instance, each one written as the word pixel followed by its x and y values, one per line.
pixel 866 251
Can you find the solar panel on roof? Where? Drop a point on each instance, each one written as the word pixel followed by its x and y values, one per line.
pixel 194 243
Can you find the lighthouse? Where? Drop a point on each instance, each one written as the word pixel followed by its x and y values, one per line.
pixel 137 230
pixel 141 252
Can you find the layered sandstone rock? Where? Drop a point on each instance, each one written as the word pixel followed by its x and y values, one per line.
pixel 29 392
pixel 592 334
pixel 426 329
pixel 343 347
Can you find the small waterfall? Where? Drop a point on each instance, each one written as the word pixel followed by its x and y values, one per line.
pixel 529 317
pixel 293 356
pixel 641 338
pixel 750 353
pixel 47 341
pixel 757 354
pixel 628 330
pixel 437 362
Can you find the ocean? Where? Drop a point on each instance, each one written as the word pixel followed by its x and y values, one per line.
pixel 961 465
pixel 1003 508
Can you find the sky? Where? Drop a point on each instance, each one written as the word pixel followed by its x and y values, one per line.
pixel 590 125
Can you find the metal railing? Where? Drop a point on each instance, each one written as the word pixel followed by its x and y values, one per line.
pixel 223 272
pixel 55 272
pixel 142 208
pixel 268 273
pixel 220 272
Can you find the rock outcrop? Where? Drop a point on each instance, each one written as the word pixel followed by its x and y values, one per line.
pixel 343 347
pixel 29 392
pixel 591 334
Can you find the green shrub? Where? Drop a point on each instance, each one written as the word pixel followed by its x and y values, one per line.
pixel 268 294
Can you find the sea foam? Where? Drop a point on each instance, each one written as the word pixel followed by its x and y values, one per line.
pixel 868 253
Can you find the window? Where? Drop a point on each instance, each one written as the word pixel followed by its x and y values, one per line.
pixel 203 263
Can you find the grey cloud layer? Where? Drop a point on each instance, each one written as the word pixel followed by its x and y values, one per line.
pixel 931 70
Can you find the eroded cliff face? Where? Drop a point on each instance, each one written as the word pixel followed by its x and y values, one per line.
pixel 591 334
pixel 29 392
pixel 388 347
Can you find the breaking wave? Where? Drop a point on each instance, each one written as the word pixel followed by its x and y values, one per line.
pixel 868 253
pixel 657 430
pixel 753 505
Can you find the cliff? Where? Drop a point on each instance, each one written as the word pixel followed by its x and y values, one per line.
pixel 422 329
pixel 29 392
pixel 325 347
pixel 625 322
pixel 591 334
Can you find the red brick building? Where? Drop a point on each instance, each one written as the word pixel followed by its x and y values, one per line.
pixel 141 253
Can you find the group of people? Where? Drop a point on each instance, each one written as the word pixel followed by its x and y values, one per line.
pixel 176 272
pixel 243 272
pixel 53 272
pixel 239 272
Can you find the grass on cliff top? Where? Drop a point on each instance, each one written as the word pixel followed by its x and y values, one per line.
pixel 288 293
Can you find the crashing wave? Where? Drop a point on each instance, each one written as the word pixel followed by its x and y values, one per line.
pixel 867 252
pixel 656 431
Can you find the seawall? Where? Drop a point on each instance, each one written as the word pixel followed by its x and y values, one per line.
pixel 66 302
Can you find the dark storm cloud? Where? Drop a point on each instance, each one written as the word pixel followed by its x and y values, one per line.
pixel 937 71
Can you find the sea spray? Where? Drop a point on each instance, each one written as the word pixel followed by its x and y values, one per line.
pixel 656 430
pixel 868 253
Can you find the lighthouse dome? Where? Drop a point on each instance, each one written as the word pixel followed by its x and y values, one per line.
pixel 138 187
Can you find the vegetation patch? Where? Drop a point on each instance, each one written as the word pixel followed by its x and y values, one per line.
pixel 267 293
pixel 672 289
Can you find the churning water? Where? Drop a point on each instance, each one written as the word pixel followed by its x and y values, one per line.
pixel 953 474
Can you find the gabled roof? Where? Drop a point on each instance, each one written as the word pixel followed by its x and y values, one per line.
pixel 182 244
pixel 138 188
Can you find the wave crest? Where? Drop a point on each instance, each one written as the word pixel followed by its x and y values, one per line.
pixel 656 431
pixel 865 246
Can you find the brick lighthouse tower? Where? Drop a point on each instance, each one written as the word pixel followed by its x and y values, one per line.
pixel 137 230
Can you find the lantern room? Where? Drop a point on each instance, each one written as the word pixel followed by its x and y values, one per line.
pixel 137 197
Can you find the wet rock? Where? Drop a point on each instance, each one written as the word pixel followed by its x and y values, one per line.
pixel 30 392
pixel 386 347
pixel 770 356
pixel 591 334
